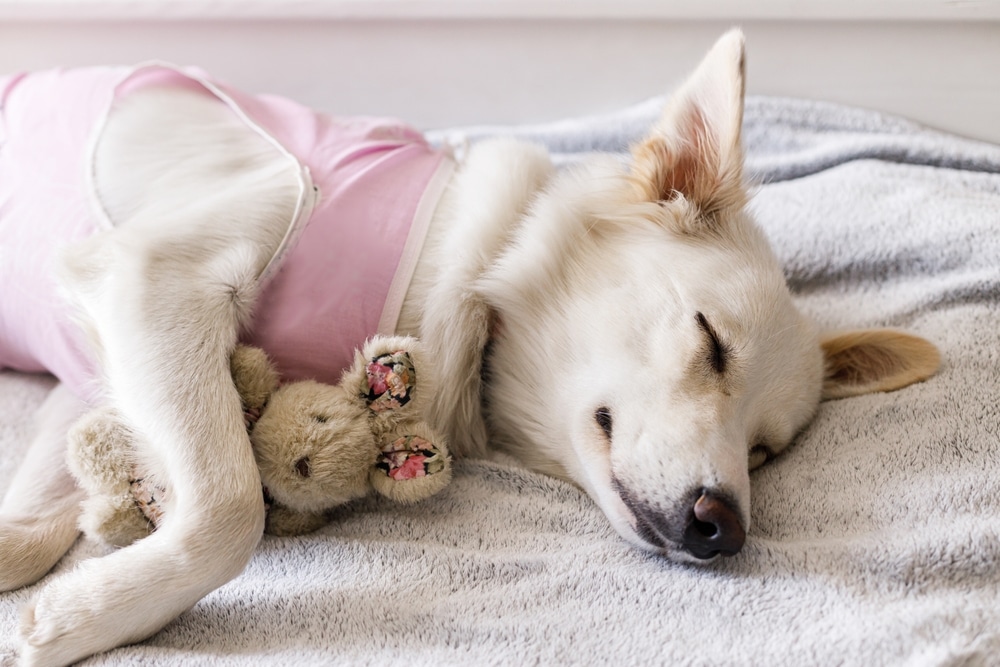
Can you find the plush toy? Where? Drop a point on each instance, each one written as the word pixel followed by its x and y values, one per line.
pixel 317 445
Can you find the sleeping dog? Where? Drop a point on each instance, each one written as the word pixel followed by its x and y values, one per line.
pixel 622 326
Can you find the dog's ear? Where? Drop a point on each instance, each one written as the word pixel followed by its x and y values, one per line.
pixel 694 151
pixel 860 362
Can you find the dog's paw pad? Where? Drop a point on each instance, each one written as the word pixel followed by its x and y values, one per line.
pixel 391 380
pixel 410 457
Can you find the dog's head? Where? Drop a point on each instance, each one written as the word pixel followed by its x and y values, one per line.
pixel 647 345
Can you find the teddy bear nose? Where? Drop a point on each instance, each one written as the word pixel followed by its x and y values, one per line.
pixel 302 466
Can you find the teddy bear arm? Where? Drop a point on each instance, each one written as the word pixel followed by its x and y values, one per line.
pixel 285 522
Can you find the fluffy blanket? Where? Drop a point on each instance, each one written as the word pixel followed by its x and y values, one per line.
pixel 875 538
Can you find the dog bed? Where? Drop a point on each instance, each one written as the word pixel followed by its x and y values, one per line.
pixel 875 538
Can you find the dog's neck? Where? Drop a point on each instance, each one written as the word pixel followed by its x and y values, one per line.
pixel 472 226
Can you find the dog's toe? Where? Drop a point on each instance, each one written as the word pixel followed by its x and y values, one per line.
pixel 45 639
pixel 61 625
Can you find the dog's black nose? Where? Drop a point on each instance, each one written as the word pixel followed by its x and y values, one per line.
pixel 713 527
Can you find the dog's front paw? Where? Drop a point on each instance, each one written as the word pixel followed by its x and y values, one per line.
pixel 91 608
pixel 52 631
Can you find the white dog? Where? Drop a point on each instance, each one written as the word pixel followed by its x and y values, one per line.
pixel 625 327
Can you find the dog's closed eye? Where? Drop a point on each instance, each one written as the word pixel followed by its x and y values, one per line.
pixel 717 351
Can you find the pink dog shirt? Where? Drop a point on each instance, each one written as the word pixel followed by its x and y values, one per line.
pixel 368 188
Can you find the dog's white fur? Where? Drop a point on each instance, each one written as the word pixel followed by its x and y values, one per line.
pixel 580 289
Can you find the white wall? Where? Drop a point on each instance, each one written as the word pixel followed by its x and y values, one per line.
pixel 446 62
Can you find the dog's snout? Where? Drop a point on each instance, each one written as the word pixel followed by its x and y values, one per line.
pixel 713 527
pixel 705 524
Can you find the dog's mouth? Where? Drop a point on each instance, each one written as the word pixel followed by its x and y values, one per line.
pixel 642 523
pixel 645 531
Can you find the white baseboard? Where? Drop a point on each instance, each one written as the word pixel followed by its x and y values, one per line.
pixel 446 62
pixel 689 10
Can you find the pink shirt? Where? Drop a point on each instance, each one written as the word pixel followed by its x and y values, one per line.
pixel 368 189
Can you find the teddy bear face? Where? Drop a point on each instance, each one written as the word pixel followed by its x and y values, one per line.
pixel 306 444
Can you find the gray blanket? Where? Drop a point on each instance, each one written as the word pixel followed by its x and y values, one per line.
pixel 875 538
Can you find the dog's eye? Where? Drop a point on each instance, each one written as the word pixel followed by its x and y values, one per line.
pixel 717 352
pixel 322 419
pixel 603 418
pixel 302 467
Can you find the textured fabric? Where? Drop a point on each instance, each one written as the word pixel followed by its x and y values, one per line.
pixel 875 537
pixel 345 277
pixel 339 280
pixel 44 207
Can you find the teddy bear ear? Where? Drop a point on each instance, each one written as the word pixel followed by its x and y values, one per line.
pixel 412 466
pixel 254 375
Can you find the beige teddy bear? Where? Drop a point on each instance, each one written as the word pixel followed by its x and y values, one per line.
pixel 317 445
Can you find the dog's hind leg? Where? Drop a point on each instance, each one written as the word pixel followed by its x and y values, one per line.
pixel 40 508
pixel 177 280
pixel 167 334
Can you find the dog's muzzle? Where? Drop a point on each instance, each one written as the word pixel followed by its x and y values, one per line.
pixel 706 524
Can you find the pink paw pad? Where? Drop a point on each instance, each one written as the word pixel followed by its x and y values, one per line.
pixel 410 457
pixel 391 379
